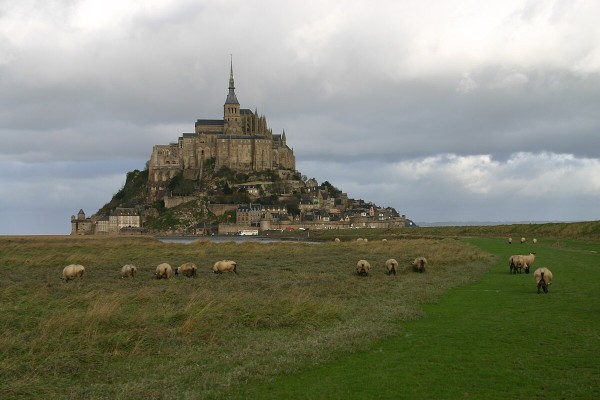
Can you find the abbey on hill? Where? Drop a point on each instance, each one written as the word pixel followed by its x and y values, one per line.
pixel 240 141
pixel 230 175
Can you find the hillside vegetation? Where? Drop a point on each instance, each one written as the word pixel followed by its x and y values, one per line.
pixel 223 186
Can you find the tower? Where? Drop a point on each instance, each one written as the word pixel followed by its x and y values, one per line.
pixel 231 109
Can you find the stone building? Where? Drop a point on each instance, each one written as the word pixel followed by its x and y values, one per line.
pixel 119 220
pixel 241 141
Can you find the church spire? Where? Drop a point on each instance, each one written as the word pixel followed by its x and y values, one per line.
pixel 231 97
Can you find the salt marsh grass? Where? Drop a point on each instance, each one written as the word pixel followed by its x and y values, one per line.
pixel 292 305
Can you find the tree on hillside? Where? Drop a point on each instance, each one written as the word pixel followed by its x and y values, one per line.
pixel 333 191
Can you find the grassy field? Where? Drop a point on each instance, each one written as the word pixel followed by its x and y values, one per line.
pixel 496 339
pixel 292 306
pixel 297 323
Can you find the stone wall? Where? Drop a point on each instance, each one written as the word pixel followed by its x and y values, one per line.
pixel 220 209
pixel 177 200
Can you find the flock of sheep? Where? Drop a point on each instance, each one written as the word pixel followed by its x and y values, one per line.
pixel 391 265
pixel 519 263
pixel 163 271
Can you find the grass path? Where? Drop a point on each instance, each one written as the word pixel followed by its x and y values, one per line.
pixel 496 339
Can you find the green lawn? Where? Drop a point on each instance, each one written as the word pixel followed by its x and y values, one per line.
pixel 496 339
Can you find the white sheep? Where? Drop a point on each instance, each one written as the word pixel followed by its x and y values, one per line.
pixel 186 269
pixel 528 259
pixel 523 240
pixel 518 263
pixel 543 279
pixel 419 264
pixel 363 267
pixel 534 240
pixel 391 265
pixel 163 271
pixel 225 266
pixel 360 239
pixel 509 240
pixel 72 271
pixel 515 263
pixel 384 240
pixel 337 240
pixel 128 271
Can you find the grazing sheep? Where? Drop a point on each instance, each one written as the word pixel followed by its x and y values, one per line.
pixel 363 267
pixel 384 240
pixel 528 259
pixel 534 240
pixel 419 264
pixel 518 263
pixel 360 239
pixel 128 271
pixel 509 240
pixel 337 240
pixel 225 266
pixel 543 279
pixel 72 271
pixel 513 261
pixel 391 265
pixel 163 271
pixel 523 240
pixel 187 269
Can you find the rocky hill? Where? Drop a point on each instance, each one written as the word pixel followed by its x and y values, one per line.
pixel 190 205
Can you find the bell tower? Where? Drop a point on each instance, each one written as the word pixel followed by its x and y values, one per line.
pixel 231 109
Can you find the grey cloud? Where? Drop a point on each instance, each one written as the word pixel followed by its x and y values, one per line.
pixel 358 92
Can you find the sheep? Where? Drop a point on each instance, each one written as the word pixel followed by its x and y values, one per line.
pixel 187 269
pixel 523 240
pixel 163 271
pixel 384 240
pixel 509 240
pixel 72 271
pixel 363 267
pixel 391 266
pixel 517 263
pixel 419 264
pixel 360 239
pixel 225 266
pixel 128 271
pixel 528 259
pixel 543 279
pixel 512 263
pixel 337 240
pixel 534 240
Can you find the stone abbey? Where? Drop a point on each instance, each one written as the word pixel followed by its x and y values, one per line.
pixel 241 141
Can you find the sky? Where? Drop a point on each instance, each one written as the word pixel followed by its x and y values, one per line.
pixel 461 110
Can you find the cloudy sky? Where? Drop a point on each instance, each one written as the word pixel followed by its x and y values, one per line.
pixel 461 110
